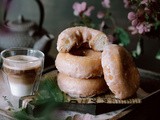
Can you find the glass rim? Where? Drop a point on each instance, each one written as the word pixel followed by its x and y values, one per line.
pixel 20 48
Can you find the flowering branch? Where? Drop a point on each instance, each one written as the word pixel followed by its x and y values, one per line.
pixel 83 11
pixel 144 17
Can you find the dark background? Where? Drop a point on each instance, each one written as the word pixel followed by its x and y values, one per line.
pixel 59 15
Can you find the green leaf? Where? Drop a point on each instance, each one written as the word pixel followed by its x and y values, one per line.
pixel 139 49
pixel 22 115
pixel 158 55
pixel 134 54
pixel 83 21
pixel 147 17
pixel 157 24
pixel 49 89
pixel 122 36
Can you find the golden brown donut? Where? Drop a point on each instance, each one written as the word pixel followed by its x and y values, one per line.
pixel 120 72
pixel 76 87
pixel 81 63
pixel 76 36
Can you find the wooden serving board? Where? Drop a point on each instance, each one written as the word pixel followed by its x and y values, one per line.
pixel 107 98
pixel 93 105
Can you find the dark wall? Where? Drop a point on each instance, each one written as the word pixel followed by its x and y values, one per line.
pixel 59 15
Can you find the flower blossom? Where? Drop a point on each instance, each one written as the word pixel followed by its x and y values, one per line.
pixel 133 17
pixel 141 28
pixel 138 26
pixel 126 3
pixel 133 30
pixel 100 14
pixel 88 11
pixel 146 2
pixel 106 3
pixel 81 8
pixel 144 17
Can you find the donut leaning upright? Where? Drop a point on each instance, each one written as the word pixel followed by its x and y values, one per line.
pixel 120 72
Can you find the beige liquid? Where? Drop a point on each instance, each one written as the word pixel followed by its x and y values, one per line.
pixel 21 75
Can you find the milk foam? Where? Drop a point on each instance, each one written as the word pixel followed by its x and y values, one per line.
pixel 22 62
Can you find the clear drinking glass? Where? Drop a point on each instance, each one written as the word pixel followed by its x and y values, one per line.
pixel 22 68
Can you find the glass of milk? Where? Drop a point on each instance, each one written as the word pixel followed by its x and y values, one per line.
pixel 22 69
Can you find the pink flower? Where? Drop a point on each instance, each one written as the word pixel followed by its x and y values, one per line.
pixel 134 22
pixel 143 27
pixel 79 8
pixel 88 11
pixel 100 14
pixel 132 16
pixel 106 3
pixel 146 2
pixel 144 16
pixel 126 3
pixel 133 30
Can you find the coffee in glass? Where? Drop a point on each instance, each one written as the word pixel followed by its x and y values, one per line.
pixel 22 68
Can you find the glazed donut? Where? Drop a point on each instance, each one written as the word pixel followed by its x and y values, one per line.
pixel 80 63
pixel 76 36
pixel 120 72
pixel 76 87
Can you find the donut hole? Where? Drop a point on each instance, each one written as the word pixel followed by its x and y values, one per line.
pixel 80 51
pixel 80 63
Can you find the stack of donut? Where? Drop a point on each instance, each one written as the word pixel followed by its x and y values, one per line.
pixel 88 65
